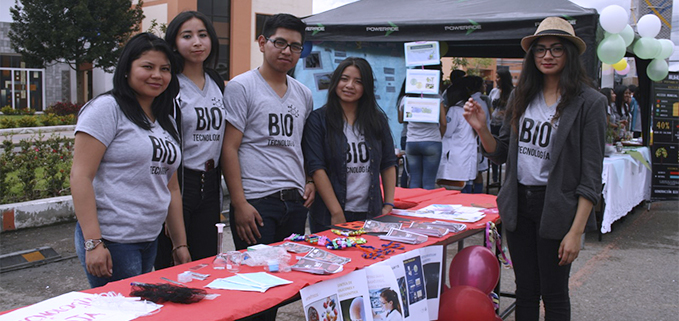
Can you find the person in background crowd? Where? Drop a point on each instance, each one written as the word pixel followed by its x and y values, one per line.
pixel 475 87
pixel 499 97
pixel 552 140
pixel 622 109
pixel 262 154
pixel 123 178
pixel 611 115
pixel 201 124
pixel 403 182
pixel 347 146
pixel 459 158
pixel 635 111
pixel 423 147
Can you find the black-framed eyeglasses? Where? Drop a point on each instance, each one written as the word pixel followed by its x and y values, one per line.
pixel 556 51
pixel 281 44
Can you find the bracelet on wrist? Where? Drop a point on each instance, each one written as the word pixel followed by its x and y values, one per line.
pixel 178 247
pixel 310 181
pixel 386 203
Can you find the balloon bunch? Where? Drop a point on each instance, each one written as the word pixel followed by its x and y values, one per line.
pixel 620 35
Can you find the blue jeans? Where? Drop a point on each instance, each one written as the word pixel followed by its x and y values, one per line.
pixel 423 160
pixel 129 259
pixel 536 264
pixel 281 218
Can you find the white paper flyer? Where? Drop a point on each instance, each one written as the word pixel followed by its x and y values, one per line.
pixel 422 81
pixel 422 110
pixel 341 299
pixel 422 53
pixel 385 296
pixel 432 256
pixel 407 268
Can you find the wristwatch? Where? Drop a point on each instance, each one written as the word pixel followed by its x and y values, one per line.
pixel 92 244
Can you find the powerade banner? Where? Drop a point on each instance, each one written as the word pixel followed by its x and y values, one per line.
pixel 665 138
pixel 386 59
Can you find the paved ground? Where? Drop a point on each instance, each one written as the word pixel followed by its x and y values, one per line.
pixel 633 274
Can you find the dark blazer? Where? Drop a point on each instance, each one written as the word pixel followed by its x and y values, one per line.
pixel 323 152
pixel 578 152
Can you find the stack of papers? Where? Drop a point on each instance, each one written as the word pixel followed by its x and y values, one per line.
pixel 258 282
pixel 427 229
pixel 322 255
pixel 309 265
pixel 404 236
pixel 379 227
pixel 450 212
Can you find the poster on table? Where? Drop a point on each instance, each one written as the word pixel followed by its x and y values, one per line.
pixel 421 110
pixel 422 53
pixel 382 286
pixel 407 268
pixel 84 306
pixel 345 298
pixel 422 81
pixel 432 257
pixel 665 138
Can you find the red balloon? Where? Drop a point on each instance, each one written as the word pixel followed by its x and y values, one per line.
pixel 465 303
pixel 476 266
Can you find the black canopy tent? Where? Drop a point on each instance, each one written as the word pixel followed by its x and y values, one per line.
pixel 472 28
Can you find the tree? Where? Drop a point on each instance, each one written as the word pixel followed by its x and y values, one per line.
pixel 81 33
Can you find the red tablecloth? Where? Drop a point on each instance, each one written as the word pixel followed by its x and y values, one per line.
pixel 232 305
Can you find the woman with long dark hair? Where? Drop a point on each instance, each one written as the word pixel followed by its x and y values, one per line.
pixel 347 147
pixel 623 98
pixel 123 178
pixel 553 143
pixel 200 116
pixel 499 97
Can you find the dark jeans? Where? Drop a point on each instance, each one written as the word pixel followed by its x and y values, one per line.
pixel 201 201
pixel 316 227
pixel 404 174
pixel 281 218
pixel 536 263
pixel 129 259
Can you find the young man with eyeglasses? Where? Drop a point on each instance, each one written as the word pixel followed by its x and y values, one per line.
pixel 262 154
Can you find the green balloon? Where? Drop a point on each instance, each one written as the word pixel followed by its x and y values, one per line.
pixel 627 34
pixel 611 49
pixel 647 47
pixel 657 70
pixel 667 48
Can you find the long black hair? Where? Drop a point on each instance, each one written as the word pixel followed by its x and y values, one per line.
pixel 506 86
pixel 620 103
pixel 162 106
pixel 370 118
pixel 606 91
pixel 573 77
pixel 173 30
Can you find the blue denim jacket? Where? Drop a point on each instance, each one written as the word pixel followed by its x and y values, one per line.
pixel 321 153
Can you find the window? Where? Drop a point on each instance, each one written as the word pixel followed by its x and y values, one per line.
pixel 219 12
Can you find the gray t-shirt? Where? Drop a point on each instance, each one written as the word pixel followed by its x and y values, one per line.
pixel 202 122
pixel 270 153
pixel 358 171
pixel 130 187
pixel 536 136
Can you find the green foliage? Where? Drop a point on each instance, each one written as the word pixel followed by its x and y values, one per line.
pixel 73 31
pixel 49 120
pixel 157 29
pixel 7 122
pixel 35 168
pixel 27 121
pixel 8 110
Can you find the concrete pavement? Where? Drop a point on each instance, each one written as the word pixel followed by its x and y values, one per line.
pixel 633 274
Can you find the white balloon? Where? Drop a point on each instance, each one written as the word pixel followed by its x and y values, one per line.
pixel 613 18
pixel 648 26
pixel 667 49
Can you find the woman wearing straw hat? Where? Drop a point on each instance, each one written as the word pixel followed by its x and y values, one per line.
pixel 553 143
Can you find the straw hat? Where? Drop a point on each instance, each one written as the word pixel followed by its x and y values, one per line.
pixel 554 26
